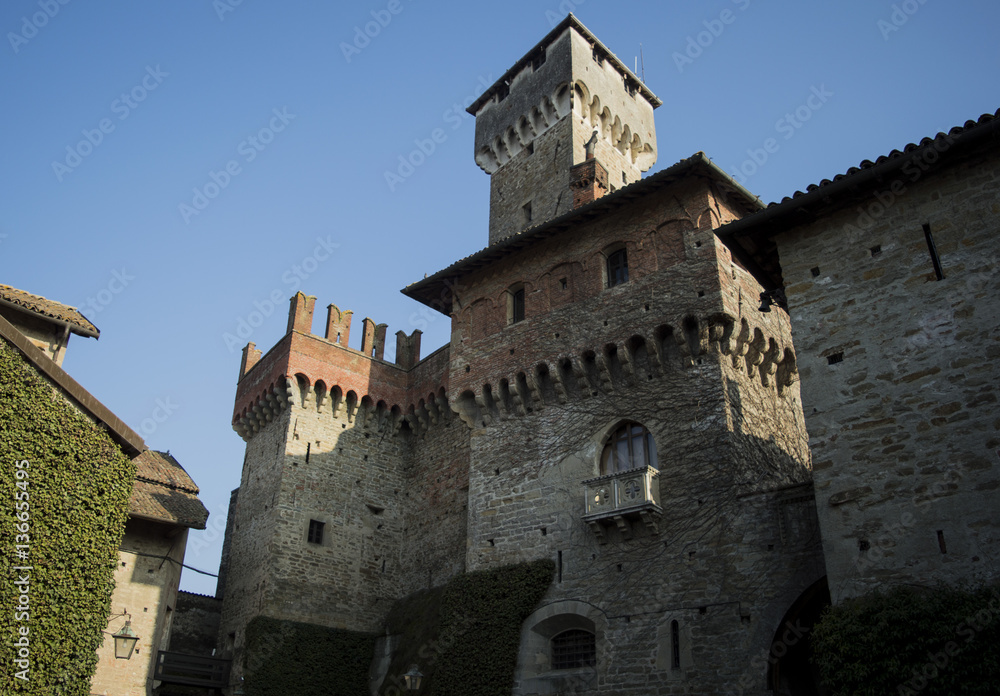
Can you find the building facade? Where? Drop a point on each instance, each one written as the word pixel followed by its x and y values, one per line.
pixel 890 273
pixel 162 505
pixel 611 399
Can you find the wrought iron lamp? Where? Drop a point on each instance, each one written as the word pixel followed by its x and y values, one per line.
pixel 125 638
pixel 412 678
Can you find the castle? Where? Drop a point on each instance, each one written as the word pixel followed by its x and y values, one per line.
pixel 616 398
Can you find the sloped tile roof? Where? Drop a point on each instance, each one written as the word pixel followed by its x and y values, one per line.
pixel 164 492
pixel 36 304
pixel 895 154
pixel 436 290
pixel 751 238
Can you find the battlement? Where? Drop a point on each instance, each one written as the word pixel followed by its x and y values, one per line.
pixel 568 99
pixel 302 363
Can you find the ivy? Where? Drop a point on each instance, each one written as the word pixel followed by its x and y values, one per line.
pixel 78 483
pixel 909 641
pixel 464 637
pixel 286 657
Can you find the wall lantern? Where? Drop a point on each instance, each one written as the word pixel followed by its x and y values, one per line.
pixel 125 638
pixel 412 678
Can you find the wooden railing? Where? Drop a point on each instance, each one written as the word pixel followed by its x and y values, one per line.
pixel 191 670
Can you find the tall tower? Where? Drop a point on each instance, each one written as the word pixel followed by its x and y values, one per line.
pixel 534 124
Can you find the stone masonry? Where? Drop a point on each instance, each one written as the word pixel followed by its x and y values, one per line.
pixel 896 307
pixel 604 300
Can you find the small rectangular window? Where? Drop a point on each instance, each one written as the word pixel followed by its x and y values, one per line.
pixel 526 213
pixel 517 306
pixel 315 535
pixel 617 268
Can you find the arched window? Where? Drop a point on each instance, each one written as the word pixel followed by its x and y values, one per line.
pixel 617 267
pixel 631 446
pixel 574 648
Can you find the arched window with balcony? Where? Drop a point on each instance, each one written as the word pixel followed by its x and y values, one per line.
pixel 631 446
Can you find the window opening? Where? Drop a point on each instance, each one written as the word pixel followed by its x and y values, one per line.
pixel 629 447
pixel 574 648
pixel 617 268
pixel 315 535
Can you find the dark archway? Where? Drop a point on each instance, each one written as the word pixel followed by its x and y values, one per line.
pixel 791 671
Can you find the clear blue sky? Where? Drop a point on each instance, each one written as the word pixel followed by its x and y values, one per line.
pixel 180 87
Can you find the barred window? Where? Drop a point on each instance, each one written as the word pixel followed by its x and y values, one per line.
pixel 574 648
pixel 315 535
pixel 629 447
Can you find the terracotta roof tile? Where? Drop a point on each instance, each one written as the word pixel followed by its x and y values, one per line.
pixel 895 154
pixel 163 491
pixel 36 304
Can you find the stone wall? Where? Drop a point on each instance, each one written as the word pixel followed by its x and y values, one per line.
pixel 899 376
pixel 364 453
pixel 714 382
pixel 146 581
pixel 196 624
pixel 255 520
pixel 530 138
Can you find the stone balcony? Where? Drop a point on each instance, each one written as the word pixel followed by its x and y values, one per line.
pixel 622 499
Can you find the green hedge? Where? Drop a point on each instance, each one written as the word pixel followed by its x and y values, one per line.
pixel 78 485
pixel 912 641
pixel 464 637
pixel 285 657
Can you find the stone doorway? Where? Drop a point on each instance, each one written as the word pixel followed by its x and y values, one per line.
pixel 791 671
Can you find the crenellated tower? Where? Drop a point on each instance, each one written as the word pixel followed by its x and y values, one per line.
pixel 344 453
pixel 568 103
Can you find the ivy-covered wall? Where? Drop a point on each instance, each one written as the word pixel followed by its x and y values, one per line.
pixel 64 493
pixel 464 637
pixel 908 641
pixel 285 657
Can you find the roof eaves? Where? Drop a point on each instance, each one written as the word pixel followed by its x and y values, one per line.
pixel 127 438
pixel 800 206
pixel 81 327
pixel 599 207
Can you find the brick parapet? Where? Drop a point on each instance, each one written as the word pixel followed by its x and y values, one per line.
pixel 302 362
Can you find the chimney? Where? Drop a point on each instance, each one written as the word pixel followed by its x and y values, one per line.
pixel 588 180
pixel 338 325
pixel 300 314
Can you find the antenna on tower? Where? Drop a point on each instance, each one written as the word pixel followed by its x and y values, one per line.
pixel 642 65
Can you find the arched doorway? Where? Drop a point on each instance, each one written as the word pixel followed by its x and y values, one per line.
pixel 791 671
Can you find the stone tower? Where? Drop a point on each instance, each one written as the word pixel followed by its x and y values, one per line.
pixel 345 453
pixel 534 123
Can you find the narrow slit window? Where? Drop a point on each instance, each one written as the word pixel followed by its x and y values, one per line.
pixel 516 305
pixel 932 250
pixel 675 645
